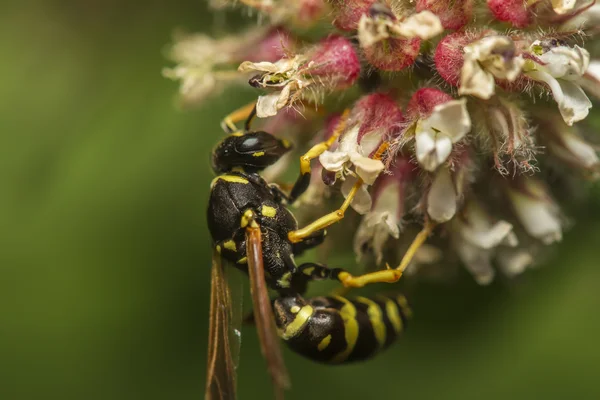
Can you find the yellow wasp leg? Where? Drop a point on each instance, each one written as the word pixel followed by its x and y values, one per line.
pixel 388 275
pixel 337 215
pixel 303 180
pixel 246 112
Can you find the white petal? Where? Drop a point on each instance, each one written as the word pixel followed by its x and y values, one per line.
pixel 269 104
pixel 591 79
pixel 367 168
pixel 572 102
pixel 565 62
pixel 375 230
pixel 489 238
pixel 370 142
pixel 424 25
pixel 590 18
pixel 575 105
pixel 451 118
pixel 477 261
pixel 538 216
pixel 279 67
pixel 333 160
pixel 475 81
pixel 563 6
pixel 441 199
pixel 362 200
pixel 431 148
pixel 574 149
pixel 485 59
pixel 513 262
pixel 263 66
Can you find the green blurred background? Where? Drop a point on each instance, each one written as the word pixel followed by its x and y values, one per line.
pixel 105 258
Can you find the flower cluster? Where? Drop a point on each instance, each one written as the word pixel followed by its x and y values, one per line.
pixel 475 101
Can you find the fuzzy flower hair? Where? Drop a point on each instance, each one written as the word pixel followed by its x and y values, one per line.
pixel 475 102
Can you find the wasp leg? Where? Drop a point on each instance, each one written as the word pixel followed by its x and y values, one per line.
pixel 246 112
pixel 303 180
pixel 308 243
pixel 337 215
pixel 388 275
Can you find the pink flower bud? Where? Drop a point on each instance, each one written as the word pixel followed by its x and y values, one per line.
pixel 393 54
pixel 377 112
pixel 347 13
pixel 309 11
pixel 516 12
pixel 335 61
pixel 454 14
pixel 449 57
pixel 424 100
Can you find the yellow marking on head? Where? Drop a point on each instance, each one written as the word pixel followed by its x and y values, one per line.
pixel 348 314
pixel 295 309
pixel 285 279
pixel 324 343
pixel 295 327
pixel 391 309
pixel 258 154
pixel 404 305
pixel 376 319
pixel 268 211
pixel 233 179
pixel 230 245
pixel 218 249
pixel 286 143
pixel 308 271
pixel 242 260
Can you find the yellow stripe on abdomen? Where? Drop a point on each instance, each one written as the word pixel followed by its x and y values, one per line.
pixel 348 314
pixel 376 319
pixel 393 314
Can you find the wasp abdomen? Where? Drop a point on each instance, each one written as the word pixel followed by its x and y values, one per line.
pixel 336 330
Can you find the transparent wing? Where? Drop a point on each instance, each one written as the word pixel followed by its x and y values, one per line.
pixel 263 313
pixel 224 336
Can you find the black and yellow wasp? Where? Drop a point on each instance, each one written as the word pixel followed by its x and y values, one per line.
pixel 252 229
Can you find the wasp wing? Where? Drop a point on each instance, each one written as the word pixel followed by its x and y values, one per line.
pixel 223 336
pixel 263 313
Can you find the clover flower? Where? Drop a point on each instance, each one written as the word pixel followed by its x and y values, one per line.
pixel 374 118
pixel 494 93
pixel 560 66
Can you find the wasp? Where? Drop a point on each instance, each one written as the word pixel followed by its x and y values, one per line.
pixel 252 228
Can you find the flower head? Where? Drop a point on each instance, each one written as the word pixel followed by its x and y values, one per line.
pixel 480 152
